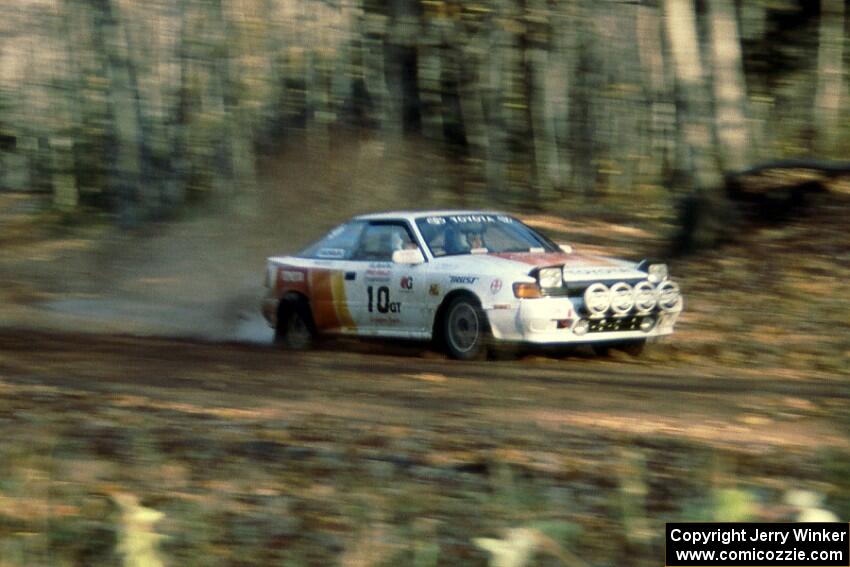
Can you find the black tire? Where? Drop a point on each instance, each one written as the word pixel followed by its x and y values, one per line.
pixel 294 329
pixel 466 332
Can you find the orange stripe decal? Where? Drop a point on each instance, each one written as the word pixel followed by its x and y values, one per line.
pixel 340 302
pixel 321 299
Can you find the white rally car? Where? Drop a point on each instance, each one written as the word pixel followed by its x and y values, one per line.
pixel 465 279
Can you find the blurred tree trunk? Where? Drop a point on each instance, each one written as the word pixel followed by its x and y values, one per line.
pixel 65 75
pixel 581 120
pixel 498 84
pixel 704 210
pixel 176 185
pixel 110 40
pixel 401 56
pixel 830 75
pixel 545 100
pixel 429 77
pixel 662 113
pixel 729 88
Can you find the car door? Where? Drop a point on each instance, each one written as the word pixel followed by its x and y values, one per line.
pixel 385 297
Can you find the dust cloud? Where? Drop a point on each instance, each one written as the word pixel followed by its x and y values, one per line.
pixel 202 277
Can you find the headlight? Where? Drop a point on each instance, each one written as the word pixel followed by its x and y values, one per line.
pixel 657 273
pixel 597 298
pixel 645 299
pixel 550 277
pixel 669 296
pixel 622 298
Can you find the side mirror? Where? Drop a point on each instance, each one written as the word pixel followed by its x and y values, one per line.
pixel 566 248
pixel 411 257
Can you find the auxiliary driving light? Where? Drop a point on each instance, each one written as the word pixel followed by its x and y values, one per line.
pixel 657 273
pixel 647 324
pixel 597 298
pixel 669 296
pixel 645 297
pixel 622 298
pixel 581 327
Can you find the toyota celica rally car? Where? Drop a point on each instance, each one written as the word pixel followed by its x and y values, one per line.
pixel 466 280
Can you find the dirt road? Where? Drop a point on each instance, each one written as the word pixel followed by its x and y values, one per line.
pixel 313 457
pixel 347 381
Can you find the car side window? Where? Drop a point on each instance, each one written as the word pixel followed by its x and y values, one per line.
pixel 381 239
pixel 338 244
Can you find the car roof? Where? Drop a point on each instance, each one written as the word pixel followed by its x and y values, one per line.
pixel 412 215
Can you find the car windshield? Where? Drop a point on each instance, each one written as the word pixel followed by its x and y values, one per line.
pixel 452 235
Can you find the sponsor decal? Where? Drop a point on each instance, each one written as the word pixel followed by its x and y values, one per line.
pixel 495 286
pixel 434 289
pixel 463 279
pixel 477 219
pixel 291 276
pixel 436 220
pixel 334 253
pixel 406 283
pixel 375 273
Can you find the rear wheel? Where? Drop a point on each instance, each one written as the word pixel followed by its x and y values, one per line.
pixel 465 329
pixel 294 330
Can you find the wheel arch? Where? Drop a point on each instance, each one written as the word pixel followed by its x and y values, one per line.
pixel 436 324
pixel 295 300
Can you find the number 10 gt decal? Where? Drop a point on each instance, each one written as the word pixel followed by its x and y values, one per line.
pixel 381 300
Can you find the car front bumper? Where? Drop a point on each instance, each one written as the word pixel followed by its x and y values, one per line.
pixel 553 320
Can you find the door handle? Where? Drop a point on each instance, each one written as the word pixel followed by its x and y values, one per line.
pixel 350 276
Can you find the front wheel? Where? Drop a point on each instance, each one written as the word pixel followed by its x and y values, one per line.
pixel 293 331
pixel 465 330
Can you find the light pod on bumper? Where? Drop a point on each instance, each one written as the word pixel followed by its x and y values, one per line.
pixel 622 298
pixel 597 298
pixel 669 296
pixel 645 299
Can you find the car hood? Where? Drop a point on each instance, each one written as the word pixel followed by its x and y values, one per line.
pixel 577 267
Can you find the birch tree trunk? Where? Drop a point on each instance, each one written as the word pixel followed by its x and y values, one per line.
pixel 729 89
pixel 830 73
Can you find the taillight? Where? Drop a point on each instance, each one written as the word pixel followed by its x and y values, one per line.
pixel 527 290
